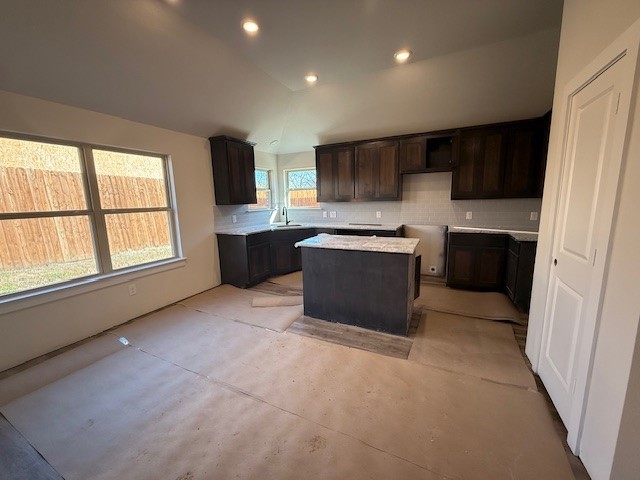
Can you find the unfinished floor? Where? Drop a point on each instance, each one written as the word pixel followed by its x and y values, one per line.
pixel 215 388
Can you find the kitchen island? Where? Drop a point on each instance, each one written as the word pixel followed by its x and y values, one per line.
pixel 368 282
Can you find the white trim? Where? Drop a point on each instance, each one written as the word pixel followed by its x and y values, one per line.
pixel 627 44
pixel 83 285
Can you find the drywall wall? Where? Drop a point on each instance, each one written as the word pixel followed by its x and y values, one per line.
pixel 27 333
pixel 426 199
pixel 509 80
pixel 587 28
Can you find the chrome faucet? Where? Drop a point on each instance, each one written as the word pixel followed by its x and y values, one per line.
pixel 286 215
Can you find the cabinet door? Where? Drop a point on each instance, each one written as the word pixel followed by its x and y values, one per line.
pixel 480 156
pixel 325 174
pixel 344 177
pixel 461 265
pixel 510 282
pixel 523 153
pixel 490 268
pixel 367 163
pixel 242 181
pixel 259 261
pixel 283 257
pixel 413 154
pixel 467 159
pixel 492 157
pixel 388 181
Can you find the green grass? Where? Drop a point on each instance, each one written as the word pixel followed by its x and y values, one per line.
pixel 18 280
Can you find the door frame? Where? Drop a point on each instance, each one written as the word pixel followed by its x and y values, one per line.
pixel 626 45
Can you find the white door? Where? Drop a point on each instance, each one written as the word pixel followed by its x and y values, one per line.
pixel 587 200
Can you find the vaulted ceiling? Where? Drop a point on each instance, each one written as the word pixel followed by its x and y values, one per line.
pixel 187 65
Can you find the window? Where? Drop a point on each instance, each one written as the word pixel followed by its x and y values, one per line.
pixel 69 211
pixel 300 188
pixel 263 190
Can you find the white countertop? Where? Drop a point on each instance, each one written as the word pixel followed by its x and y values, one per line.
pixel 520 235
pixel 406 246
pixel 248 230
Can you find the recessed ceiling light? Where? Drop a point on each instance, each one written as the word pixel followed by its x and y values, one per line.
pixel 311 77
pixel 250 26
pixel 402 56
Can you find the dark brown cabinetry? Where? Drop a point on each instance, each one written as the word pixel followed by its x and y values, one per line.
pixel 426 153
pixel 499 161
pixel 285 257
pixel 476 261
pixel 233 171
pixel 335 174
pixel 519 273
pixel 377 174
pixel 480 159
pixel 492 261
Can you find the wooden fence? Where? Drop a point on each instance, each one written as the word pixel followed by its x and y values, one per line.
pixel 31 242
pixel 303 198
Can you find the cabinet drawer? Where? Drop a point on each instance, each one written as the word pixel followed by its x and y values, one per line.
pixel 497 240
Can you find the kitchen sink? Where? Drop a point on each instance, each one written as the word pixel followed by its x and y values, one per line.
pixel 289 226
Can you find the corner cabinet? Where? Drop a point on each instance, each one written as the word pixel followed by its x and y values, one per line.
pixel 335 174
pixel 476 261
pixel 233 171
pixel 377 171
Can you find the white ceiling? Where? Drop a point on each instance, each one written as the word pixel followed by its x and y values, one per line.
pixel 186 65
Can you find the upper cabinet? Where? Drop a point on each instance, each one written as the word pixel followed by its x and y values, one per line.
pixel 233 171
pixel 335 173
pixel 500 161
pixel 377 171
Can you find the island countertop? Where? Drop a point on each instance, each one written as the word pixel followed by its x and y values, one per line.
pixel 406 246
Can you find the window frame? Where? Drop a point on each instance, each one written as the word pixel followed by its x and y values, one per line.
pixel 97 224
pixel 285 173
pixel 250 207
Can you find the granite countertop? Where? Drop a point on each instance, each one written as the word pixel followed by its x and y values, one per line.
pixel 406 246
pixel 248 230
pixel 519 235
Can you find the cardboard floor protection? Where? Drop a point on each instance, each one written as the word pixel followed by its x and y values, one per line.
pixel 290 279
pixel 198 396
pixel 489 305
pixel 236 304
pixel 471 346
pixel 456 425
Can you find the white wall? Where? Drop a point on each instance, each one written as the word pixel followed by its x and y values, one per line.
pixel 426 199
pixel 588 27
pixel 31 332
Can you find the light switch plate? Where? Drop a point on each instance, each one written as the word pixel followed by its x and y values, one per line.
pixel 333 214
pixel 533 216
pixel 469 215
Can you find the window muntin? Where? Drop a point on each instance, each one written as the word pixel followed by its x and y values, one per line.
pixel 70 211
pixel 300 188
pixel 263 190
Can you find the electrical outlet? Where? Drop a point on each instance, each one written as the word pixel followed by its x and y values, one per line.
pixel 469 215
pixel 324 214
pixel 432 268
pixel 333 214
pixel 234 219
pixel 378 214
pixel 533 216
pixel 132 289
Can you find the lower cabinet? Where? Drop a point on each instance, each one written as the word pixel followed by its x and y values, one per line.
pixel 249 259
pixel 476 261
pixel 494 262
pixel 521 257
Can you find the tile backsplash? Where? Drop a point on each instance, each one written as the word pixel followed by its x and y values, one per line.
pixel 426 199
